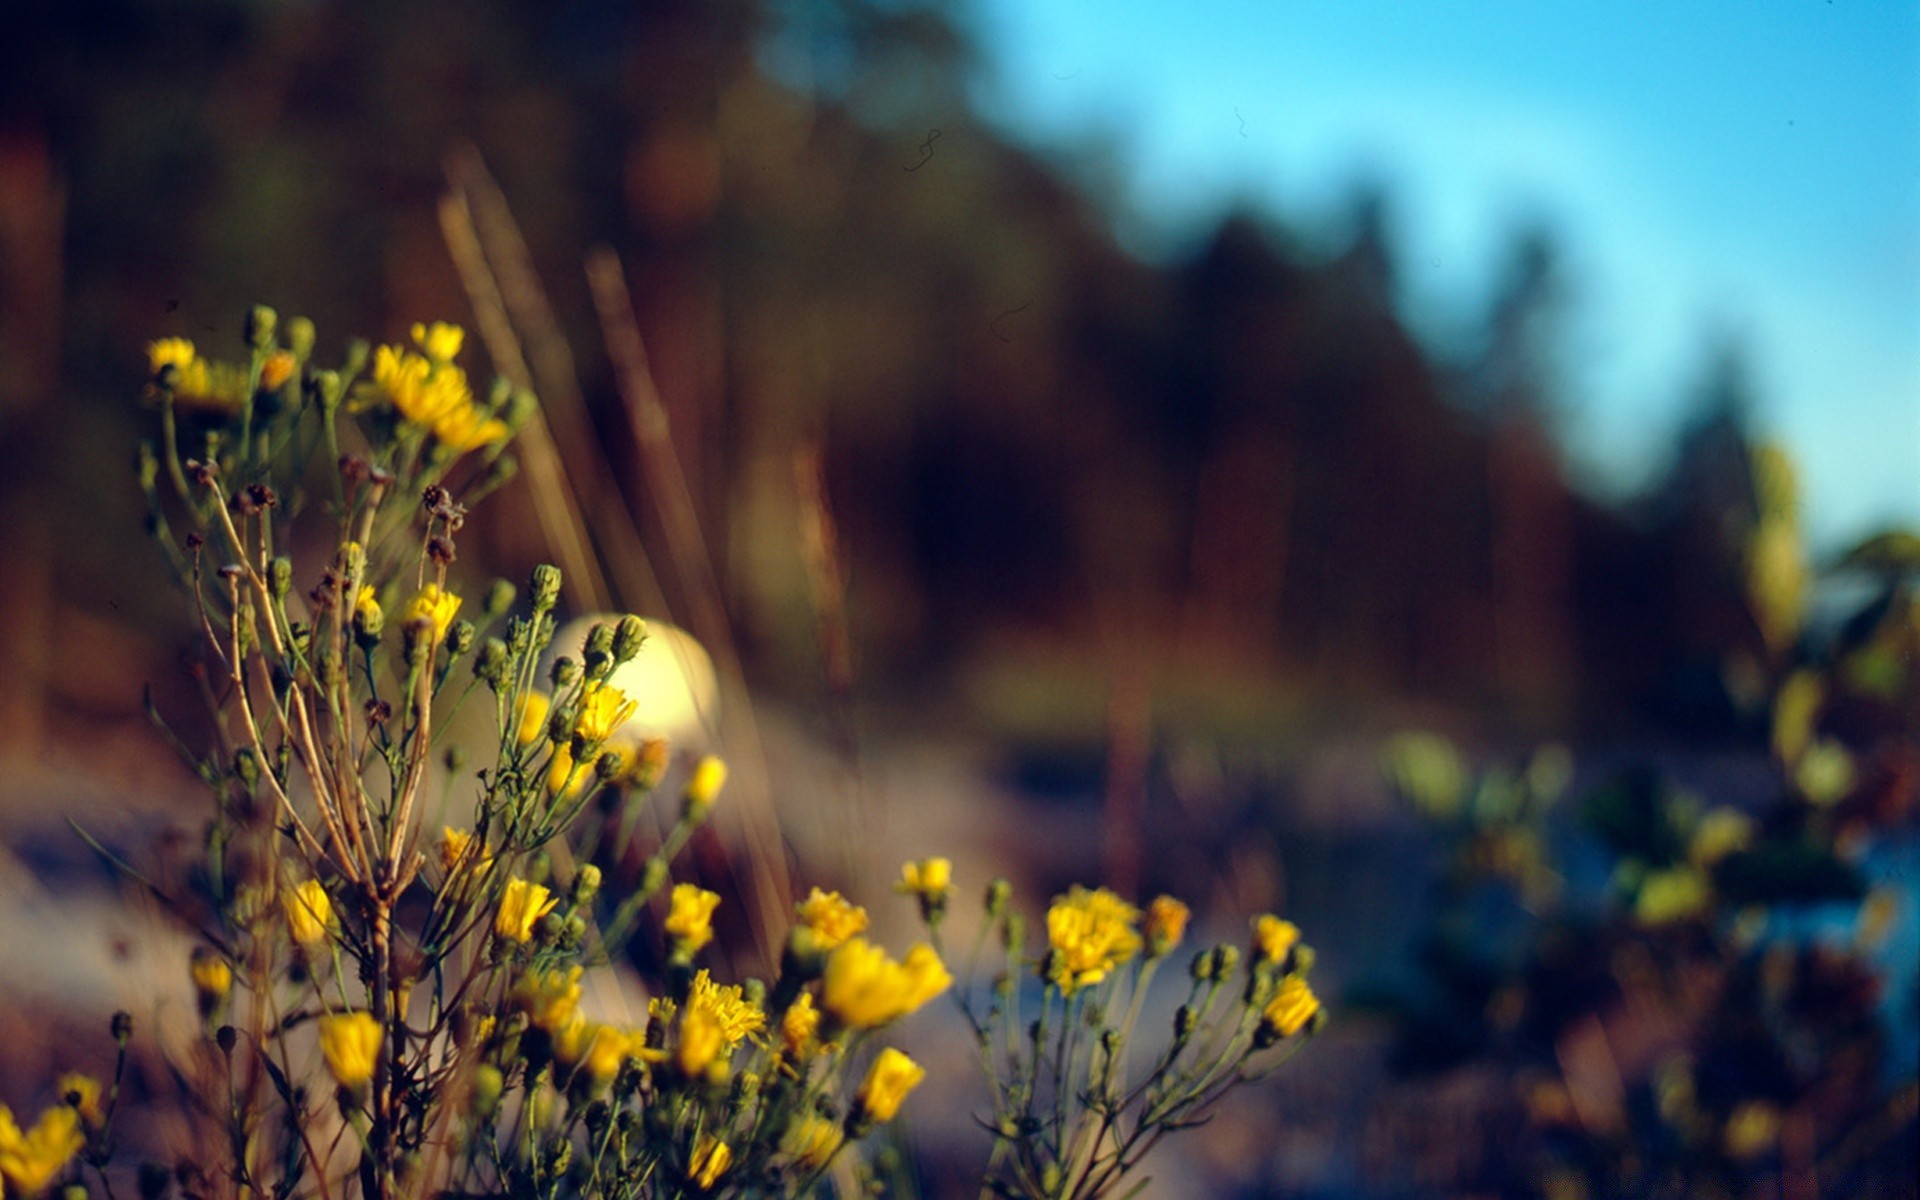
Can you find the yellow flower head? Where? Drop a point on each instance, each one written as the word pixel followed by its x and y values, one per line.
pixel 703 787
pixel 888 1081
pixel 530 723
pixel 1091 933
pixel 367 615
pixel 565 781
pixel 812 1141
pixel 710 1161
pixel 727 1005
pixel 435 395
pixel 603 709
pixel 30 1161
pixel 82 1092
pixel 690 916
pixel 350 1042
pixel 1273 938
pixel 459 852
pixel 865 989
pixel 212 976
pixel 275 372
pixel 310 916
pixel 549 998
pixel 433 608
pixel 522 905
pixel 439 341
pixel 169 352
pixel 597 1050
pixel 830 918
pixel 1291 1007
pixel 701 1041
pixel 1165 925
pixel 931 879
pixel 799 1026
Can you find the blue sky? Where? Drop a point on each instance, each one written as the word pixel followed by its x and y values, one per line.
pixel 1748 167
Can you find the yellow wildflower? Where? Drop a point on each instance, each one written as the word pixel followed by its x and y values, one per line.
pixel 367 615
pixel 799 1026
pixel 1291 1007
pixel 812 1141
pixel 603 709
pixel 434 608
pixel 549 998
pixel 350 1042
pixel 30 1161
pixel 1165 925
pixel 830 918
pixel 310 916
pixel 865 989
pixel 83 1093
pixel 930 879
pixel 690 916
pixel 597 1050
pixel 198 381
pixel 565 781
pixel 212 977
pixel 530 722
pixel 727 1005
pixel 703 787
pixel 275 372
pixel 710 1160
pixel 435 395
pixel 1273 938
pixel 460 852
pixel 1091 933
pixel 169 352
pixel 701 1041
pixel 439 341
pixel 522 904
pixel 888 1081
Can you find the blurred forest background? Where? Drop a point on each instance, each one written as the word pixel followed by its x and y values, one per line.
pixel 1167 546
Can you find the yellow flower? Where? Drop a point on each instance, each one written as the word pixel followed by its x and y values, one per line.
pixel 799 1026
pixel 701 1041
pixel 710 1160
pixel 598 1050
pixel 522 905
pixel 31 1161
pixel 212 977
pixel 564 781
pixel 865 989
pixel 812 1141
pixel 83 1093
pixel 1671 895
pixel 690 916
pixel 727 1005
pixel 703 787
pixel 831 918
pixel 350 1042
pixel 530 722
pixel 439 341
pixel 1291 1007
pixel 310 916
pixel 434 608
pixel 1091 933
pixel 1166 924
pixel 931 879
pixel 549 998
pixel 435 395
pixel 367 615
pixel 603 709
pixel 1274 938
pixel 888 1081
pixel 459 851
pixel 276 370
pixel 169 352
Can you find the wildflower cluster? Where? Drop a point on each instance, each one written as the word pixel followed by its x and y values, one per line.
pixel 1056 1027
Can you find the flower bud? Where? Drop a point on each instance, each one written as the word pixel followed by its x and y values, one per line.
pixel 564 672
pixel 546 587
pixel 121 1026
pixel 628 634
pixel 599 651
pixel 460 638
pixel 259 327
pixel 300 337
pixel 499 599
pixel 586 884
pixel 490 665
pixel 280 577
pixel 998 893
pixel 703 787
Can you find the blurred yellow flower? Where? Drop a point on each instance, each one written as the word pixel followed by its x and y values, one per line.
pixel 350 1042
pixel 1273 938
pixel 433 607
pixel 310 916
pixel 439 341
pixel 1291 1007
pixel 865 989
pixel 459 852
pixel 690 916
pixel 434 395
pixel 276 370
pixel 703 786
pixel 831 918
pixel 930 879
pixel 735 1016
pixel 888 1081
pixel 1091 932
pixel 366 609
pixel 30 1161
pixel 799 1026
pixel 169 352
pixel 83 1093
pixel 1165 925
pixel 597 1050
pixel 198 381
pixel 603 709
pixel 710 1160
pixel 565 781
pixel 549 998
pixel 522 905
pixel 212 976
pixel 701 1041
pixel 530 721
pixel 812 1141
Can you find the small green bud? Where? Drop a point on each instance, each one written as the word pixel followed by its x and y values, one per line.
pixel 519 409
pixel 460 637
pixel 564 672
pixel 998 893
pixel 586 884
pixel 599 651
pixel 628 635
pixel 74 1191
pixel 246 767
pixel 499 599
pixel 1202 966
pixel 259 327
pixel 280 577
pixel 490 665
pixel 326 388
pixel 609 765
pixel 1225 959
pixel 300 337
pixel 1183 1019
pixel 546 587
pixel 653 876
pixel 455 758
